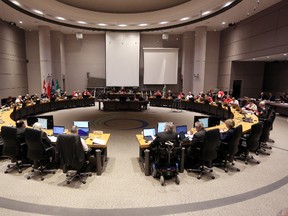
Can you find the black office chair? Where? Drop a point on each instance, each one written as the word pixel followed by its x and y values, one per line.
pixel 166 161
pixel 72 157
pixel 14 150
pixel 272 115
pixel 264 137
pixel 207 153
pixel 40 155
pixel 250 143
pixel 226 151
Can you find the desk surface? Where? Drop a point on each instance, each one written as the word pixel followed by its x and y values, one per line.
pixel 246 126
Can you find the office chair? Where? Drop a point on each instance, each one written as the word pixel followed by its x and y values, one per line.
pixel 250 143
pixel 14 150
pixel 264 137
pixel 72 157
pixel 207 153
pixel 226 151
pixel 166 161
pixel 272 115
pixel 38 153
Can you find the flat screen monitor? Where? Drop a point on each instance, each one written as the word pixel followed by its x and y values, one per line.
pixel 161 127
pixel 149 132
pixel 203 119
pixel 49 119
pixel 58 130
pixel 83 131
pixel 43 122
pixel 83 124
pixel 181 128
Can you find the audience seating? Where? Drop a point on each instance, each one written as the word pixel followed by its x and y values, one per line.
pixel 40 156
pixel 14 150
pixel 72 157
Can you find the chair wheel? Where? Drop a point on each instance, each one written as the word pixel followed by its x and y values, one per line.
pixel 199 177
pixel 90 174
pixel 268 154
pixel 212 177
pixel 28 177
pixel 42 178
pixel 177 180
pixel 20 171
pixel 246 162
pixel 238 170
pixel 6 172
pixel 84 182
pixel 53 172
pixel 68 182
pixel 154 172
pixel 226 170
pixel 32 170
pixel 8 166
pixel 162 181
pixel 258 162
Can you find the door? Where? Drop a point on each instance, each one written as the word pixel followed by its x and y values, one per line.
pixel 237 85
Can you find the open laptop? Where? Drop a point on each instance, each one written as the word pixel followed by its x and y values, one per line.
pixel 149 133
pixel 83 132
pixel 181 130
pixel 58 130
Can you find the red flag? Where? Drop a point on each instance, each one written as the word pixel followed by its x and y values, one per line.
pixel 49 90
pixel 44 87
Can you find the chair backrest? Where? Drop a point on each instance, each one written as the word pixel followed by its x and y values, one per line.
pixel 254 137
pixel 9 137
pixel 70 150
pixel 235 140
pixel 208 147
pixel 267 125
pixel 168 152
pixel 33 139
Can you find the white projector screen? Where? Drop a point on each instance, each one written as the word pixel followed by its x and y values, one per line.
pixel 122 59
pixel 160 66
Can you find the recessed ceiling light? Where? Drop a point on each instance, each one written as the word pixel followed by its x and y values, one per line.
pixel 254 59
pixel 268 57
pixel 60 18
pixel 38 12
pixel 206 13
pixel 143 24
pixel 185 18
pixel 16 3
pixel 164 22
pixel 285 54
pixel 223 23
pixel 227 4
pixel 20 22
pixel 122 25
pixel 102 24
pixel 81 22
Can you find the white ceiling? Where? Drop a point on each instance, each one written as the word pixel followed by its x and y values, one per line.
pixel 192 9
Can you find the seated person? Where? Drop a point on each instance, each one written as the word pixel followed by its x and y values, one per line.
pixel 197 139
pixel 19 102
pixel 271 97
pixel 262 111
pixel 169 94
pixel 250 107
pixel 262 96
pixel 234 102
pixel 189 95
pixel 74 130
pixel 158 94
pixel 167 135
pixel 227 135
pixel 20 126
pixel 181 96
pixel 46 141
pixel 9 102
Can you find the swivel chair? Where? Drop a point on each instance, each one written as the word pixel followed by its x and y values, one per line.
pixel 40 155
pixel 226 151
pixel 250 143
pixel 207 153
pixel 166 161
pixel 14 150
pixel 264 137
pixel 72 157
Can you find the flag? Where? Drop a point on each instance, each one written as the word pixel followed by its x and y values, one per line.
pixel 53 87
pixel 49 90
pixel 58 88
pixel 44 87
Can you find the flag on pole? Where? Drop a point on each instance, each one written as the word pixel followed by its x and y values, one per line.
pixel 49 90
pixel 58 88
pixel 44 87
pixel 53 87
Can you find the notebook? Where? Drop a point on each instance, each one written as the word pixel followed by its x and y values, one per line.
pixel 149 133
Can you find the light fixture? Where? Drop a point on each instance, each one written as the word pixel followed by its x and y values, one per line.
pixel 227 4
pixel 254 59
pixel 206 13
pixel 79 36
pixel 165 36
pixel 38 12
pixel 285 54
pixel 122 25
pixel 164 22
pixel 20 22
pixel 102 24
pixel 143 24
pixel 16 3
pixel 81 22
pixel 184 18
pixel 268 57
pixel 60 18
pixel 223 23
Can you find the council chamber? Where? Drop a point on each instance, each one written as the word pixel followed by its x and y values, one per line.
pixel 147 108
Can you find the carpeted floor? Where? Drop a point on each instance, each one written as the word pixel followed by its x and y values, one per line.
pixel 123 189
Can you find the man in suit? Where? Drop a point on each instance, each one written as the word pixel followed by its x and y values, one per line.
pixel 197 139
pixel 227 135
pixel 271 97
pixel 167 135
pixel 20 126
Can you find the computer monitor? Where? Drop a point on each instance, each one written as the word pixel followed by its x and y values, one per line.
pixel 58 130
pixel 205 122
pixel 83 131
pixel 181 128
pixel 43 122
pixel 149 132
pixel 81 124
pixel 161 127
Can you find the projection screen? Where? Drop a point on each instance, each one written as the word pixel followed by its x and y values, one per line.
pixel 160 66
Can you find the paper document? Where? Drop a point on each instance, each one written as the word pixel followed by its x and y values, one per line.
pixel 53 139
pixel 98 141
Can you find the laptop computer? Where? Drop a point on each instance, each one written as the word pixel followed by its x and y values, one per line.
pixel 181 130
pixel 58 130
pixel 149 133
pixel 83 132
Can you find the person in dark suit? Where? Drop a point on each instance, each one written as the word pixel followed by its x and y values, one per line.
pixel 271 97
pixel 167 135
pixel 262 97
pixel 227 135
pixel 197 139
pixel 20 126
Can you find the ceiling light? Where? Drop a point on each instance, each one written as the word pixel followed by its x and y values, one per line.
pixel 268 57
pixel 20 22
pixel 185 18
pixel 223 23
pixel 285 54
pixel 164 22
pixel 206 13
pixel 227 4
pixel 16 3
pixel 79 36
pixel 254 59
pixel 122 25
pixel 38 12
pixel 102 24
pixel 81 22
pixel 60 18
pixel 143 24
